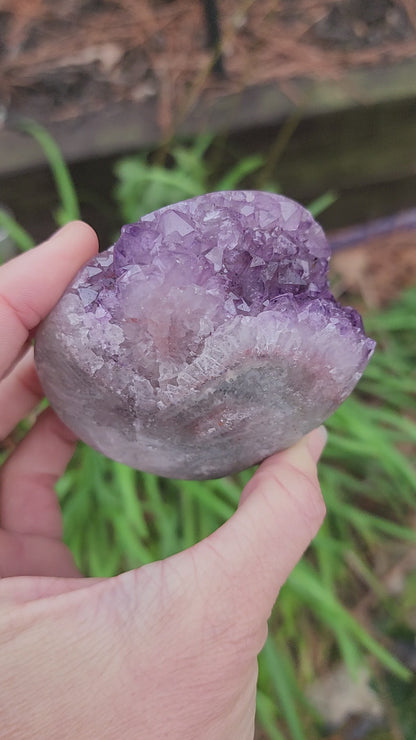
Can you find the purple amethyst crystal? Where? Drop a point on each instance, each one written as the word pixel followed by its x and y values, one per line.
pixel 205 339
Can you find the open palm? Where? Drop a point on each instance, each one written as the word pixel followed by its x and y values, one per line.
pixel 168 650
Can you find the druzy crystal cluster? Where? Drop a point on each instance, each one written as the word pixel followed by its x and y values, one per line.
pixel 205 339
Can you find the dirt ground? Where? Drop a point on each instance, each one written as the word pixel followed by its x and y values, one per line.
pixel 59 60
pixel 377 270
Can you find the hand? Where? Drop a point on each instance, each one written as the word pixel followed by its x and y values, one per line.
pixel 168 650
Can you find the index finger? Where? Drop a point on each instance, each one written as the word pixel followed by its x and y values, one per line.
pixel 32 283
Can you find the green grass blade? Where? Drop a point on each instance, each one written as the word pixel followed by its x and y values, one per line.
pixel 164 521
pixel 208 500
pixel 125 480
pixel 69 207
pixel 304 581
pixel 322 203
pixel 245 167
pixel 266 715
pixel 20 236
pixel 228 488
pixel 280 677
pixel 135 552
pixel 188 520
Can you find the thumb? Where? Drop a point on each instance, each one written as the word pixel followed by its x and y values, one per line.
pixel 280 512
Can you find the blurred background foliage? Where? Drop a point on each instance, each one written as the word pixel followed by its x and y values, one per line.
pixel 351 601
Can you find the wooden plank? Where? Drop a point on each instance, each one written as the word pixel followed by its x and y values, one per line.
pixel 130 127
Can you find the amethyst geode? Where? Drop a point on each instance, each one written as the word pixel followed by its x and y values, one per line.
pixel 205 339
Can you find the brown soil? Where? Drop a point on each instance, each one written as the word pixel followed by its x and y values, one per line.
pixel 377 270
pixel 62 59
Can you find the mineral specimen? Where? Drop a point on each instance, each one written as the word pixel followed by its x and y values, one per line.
pixel 205 339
